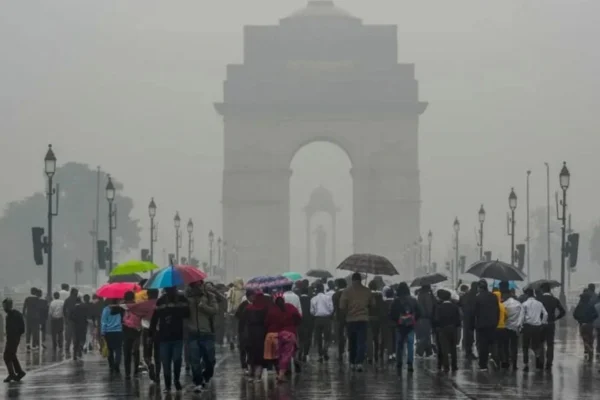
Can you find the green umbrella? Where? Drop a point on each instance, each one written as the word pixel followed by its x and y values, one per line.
pixel 133 267
pixel 293 276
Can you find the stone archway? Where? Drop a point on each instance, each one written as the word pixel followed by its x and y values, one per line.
pixel 320 75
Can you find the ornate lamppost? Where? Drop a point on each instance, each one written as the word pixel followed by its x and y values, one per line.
pixel 456 226
pixel 177 224
pixel 112 220
pixel 190 230
pixel 510 220
pixel 50 170
pixel 564 179
pixel 481 216
pixel 153 233
pixel 211 240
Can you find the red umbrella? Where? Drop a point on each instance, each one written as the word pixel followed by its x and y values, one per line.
pixel 117 290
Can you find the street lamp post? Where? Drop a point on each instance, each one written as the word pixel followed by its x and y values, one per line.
pixel 527 227
pixel 211 239
pixel 564 178
pixel 429 240
pixel 177 224
pixel 549 258
pixel 420 253
pixel 219 248
pixel 190 230
pixel 153 236
pixel 224 258
pixel 456 226
pixel 50 169
pixel 112 220
pixel 510 221
pixel 481 215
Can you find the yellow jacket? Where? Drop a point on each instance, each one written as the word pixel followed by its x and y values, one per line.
pixel 140 296
pixel 502 318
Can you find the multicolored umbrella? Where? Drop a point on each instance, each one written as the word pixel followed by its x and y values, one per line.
pixel 172 276
pixel 368 264
pixel 133 267
pixel 268 282
pixel 117 290
pixel 293 276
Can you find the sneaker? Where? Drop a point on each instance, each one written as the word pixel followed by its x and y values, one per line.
pixel 483 370
pixel 167 390
pixel 9 378
pixel 198 389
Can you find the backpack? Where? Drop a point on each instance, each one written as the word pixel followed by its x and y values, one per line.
pixel 407 317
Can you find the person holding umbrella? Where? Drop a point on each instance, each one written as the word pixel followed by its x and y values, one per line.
pixel 111 329
pixel 486 314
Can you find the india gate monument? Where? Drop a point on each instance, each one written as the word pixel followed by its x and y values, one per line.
pixel 320 75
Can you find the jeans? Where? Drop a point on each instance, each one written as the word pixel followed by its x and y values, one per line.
pixel 405 337
pixel 151 355
pixel 531 339
pixel 32 332
pixel 68 334
pixel 374 341
pixel 357 341
pixel 322 335
pixel 340 337
pixel 202 353
pixel 171 353
pixel 131 348
pixel 587 335
pixel 500 349
pixel 468 339
pixel 57 328
pixel 10 356
pixel 114 343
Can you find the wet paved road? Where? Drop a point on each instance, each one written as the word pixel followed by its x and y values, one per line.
pixel 571 379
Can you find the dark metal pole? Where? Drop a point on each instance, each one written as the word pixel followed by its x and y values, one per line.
pixel 189 247
pixel 481 240
pixel 528 258
pixel 152 239
pixel 512 237
pixel 110 236
pixel 455 273
pixel 49 244
pixel 563 248
pixel 549 260
pixel 429 259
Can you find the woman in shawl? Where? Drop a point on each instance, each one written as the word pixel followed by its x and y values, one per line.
pixel 290 319
pixel 254 317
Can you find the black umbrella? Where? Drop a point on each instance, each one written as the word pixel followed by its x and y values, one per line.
pixel 135 278
pixel 319 273
pixel 368 264
pixel 498 270
pixel 430 279
pixel 535 285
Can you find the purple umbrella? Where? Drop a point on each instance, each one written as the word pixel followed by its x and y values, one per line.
pixel 268 282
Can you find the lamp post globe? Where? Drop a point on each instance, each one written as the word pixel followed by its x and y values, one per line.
pixel 190 226
pixel 177 220
pixel 512 199
pixel 565 177
pixel 456 225
pixel 481 214
pixel 50 162
pixel 110 190
pixel 152 208
pixel 430 237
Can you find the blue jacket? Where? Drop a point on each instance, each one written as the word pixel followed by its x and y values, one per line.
pixel 111 320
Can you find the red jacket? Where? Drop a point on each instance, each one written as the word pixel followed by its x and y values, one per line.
pixel 287 320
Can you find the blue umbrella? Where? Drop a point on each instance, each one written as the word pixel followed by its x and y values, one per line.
pixel 511 285
pixel 179 276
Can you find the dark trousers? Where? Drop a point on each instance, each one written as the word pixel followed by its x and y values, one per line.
pixel 547 344
pixel 587 335
pixel 447 340
pixel 374 341
pixel 340 337
pixel 10 356
pixel 131 349
pixel 32 332
pixel 468 339
pixel 531 340
pixel 357 341
pixel 322 334
pixel 512 347
pixel 43 330
pixel 171 354
pixel 485 343
pixel 57 328
pixel 151 355
pixel 114 344
pixel 79 335
pixel 306 336
pixel 68 334
pixel 242 348
pixel 597 342
pixel 500 350
pixel 202 353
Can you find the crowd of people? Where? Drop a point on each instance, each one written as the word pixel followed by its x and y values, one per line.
pixel 274 329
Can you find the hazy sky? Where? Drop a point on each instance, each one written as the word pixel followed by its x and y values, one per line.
pixel 129 85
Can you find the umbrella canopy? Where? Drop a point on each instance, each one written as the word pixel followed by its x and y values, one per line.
pixel 535 285
pixel 133 267
pixel 178 275
pixel 368 264
pixel 268 282
pixel 293 276
pixel 135 278
pixel 117 290
pixel 496 270
pixel 429 279
pixel 319 273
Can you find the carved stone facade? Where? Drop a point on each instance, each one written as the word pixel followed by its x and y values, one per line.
pixel 320 75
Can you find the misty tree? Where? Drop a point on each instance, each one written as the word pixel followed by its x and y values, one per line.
pixel 595 244
pixel 72 228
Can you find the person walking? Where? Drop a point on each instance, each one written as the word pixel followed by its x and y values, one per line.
pixel 405 312
pixel 235 296
pixel 514 324
pixel 389 326
pixel 57 324
pixel 321 308
pixel 68 306
pixel 111 329
pixel 339 319
pixel 377 319
pixel 79 319
pixel 423 329
pixel 354 303
pixel 132 330
pixel 501 338
pixel 585 314
pixel 255 316
pixel 305 332
pixel 242 332
pixel 534 316
pixel 31 314
pixel 144 309
pixel 201 334
pixel 467 305
pixel 43 317
pixel 15 328
pixel 555 311
pixel 290 319
pixel 167 324
pixel 446 321
pixel 486 313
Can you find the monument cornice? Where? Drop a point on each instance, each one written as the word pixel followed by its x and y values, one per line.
pixel 279 109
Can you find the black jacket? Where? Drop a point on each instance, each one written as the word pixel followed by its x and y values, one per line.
pixel 15 325
pixel 486 310
pixel 467 304
pixel 552 304
pixel 446 314
pixel 168 318
pixel 400 306
pixel 79 316
pixel 69 305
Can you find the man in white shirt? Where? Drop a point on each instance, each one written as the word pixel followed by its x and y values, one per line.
pixel 64 291
pixel 514 323
pixel 534 316
pixel 292 298
pixel 321 307
pixel 55 310
pixel 330 288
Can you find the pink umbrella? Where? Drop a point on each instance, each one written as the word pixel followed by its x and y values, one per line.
pixel 117 290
